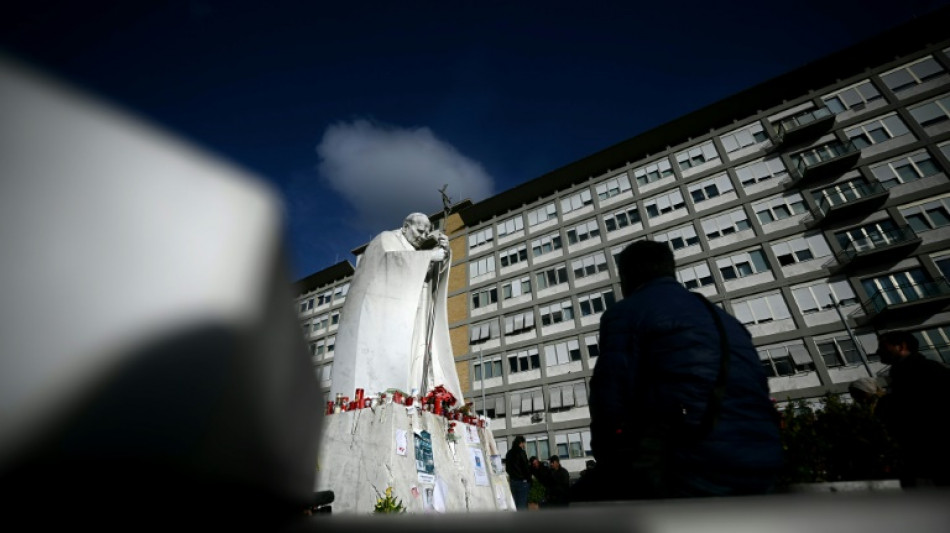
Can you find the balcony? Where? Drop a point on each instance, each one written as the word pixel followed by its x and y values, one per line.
pixel 915 300
pixel 881 246
pixel 810 124
pixel 852 199
pixel 822 161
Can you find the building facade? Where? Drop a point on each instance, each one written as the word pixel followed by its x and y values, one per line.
pixel 815 208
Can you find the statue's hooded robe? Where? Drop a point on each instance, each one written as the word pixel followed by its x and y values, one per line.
pixel 382 336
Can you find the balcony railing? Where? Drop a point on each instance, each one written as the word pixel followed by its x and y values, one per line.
pixel 858 197
pixel 797 128
pixel 928 296
pixel 823 160
pixel 896 238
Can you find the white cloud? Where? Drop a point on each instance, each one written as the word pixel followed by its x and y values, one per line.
pixel 385 172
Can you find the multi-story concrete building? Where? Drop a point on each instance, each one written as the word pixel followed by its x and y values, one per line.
pixel 814 207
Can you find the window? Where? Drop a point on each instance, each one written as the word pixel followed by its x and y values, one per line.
pixel 678 238
pixel 595 302
pixel 935 343
pixel 785 359
pixel 488 369
pixel 483 332
pixel 562 353
pixel 623 218
pixel 932 112
pixel 306 305
pixel 744 137
pixel 524 360
pixel 583 231
pixel 665 203
pixel 481 267
pixel 318 348
pixel 905 169
pixel 321 322
pixel 912 74
pixel 613 187
pixel 742 265
pixel 556 313
pixel 334 318
pixel 726 223
pixel 542 214
pixel 510 226
pixel 526 402
pixel 513 256
pixel 551 277
pixel 876 131
pixel 839 351
pixel 869 236
pixel 693 157
pixel 779 207
pixel 897 288
pixel 762 170
pixel 546 244
pixel 573 444
pixel 326 372
pixel 331 345
pixel 537 445
pixel 340 293
pixel 653 172
pixel 695 276
pixel 589 265
pixel 519 322
pixel 480 238
pixel 761 309
pixel 324 299
pixel 516 287
pixel 483 297
pixel 855 97
pixel 801 249
pixel 818 296
pixel 567 395
pixel 491 407
pixel 842 193
pixel 593 347
pixel 709 189
pixel 930 214
pixel 576 201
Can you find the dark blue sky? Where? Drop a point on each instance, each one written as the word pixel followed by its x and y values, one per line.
pixel 357 113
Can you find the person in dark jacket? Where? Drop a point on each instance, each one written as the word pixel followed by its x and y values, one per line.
pixel 519 472
pixel 558 483
pixel 918 390
pixel 660 357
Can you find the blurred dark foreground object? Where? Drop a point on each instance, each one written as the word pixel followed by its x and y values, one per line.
pixel 176 387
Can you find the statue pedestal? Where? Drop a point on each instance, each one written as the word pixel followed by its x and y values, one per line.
pixel 367 450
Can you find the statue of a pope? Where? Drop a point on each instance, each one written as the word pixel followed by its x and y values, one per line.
pixel 394 310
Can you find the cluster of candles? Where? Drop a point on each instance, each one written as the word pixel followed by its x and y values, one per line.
pixel 360 401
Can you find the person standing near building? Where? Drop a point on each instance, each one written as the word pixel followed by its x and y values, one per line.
pixel 679 402
pixel 913 409
pixel 519 473
pixel 558 483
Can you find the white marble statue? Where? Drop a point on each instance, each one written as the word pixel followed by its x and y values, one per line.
pixel 396 305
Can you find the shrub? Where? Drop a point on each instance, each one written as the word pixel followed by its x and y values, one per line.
pixel 837 442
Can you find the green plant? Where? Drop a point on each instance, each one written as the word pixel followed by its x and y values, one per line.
pixel 537 492
pixel 389 503
pixel 837 442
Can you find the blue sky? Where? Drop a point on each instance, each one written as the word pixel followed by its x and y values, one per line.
pixel 357 114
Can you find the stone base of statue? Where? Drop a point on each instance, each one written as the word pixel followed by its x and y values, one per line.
pixel 431 463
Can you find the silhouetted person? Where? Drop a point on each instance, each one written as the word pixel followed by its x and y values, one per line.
pixel 914 409
pixel 519 472
pixel 558 483
pixel 679 401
